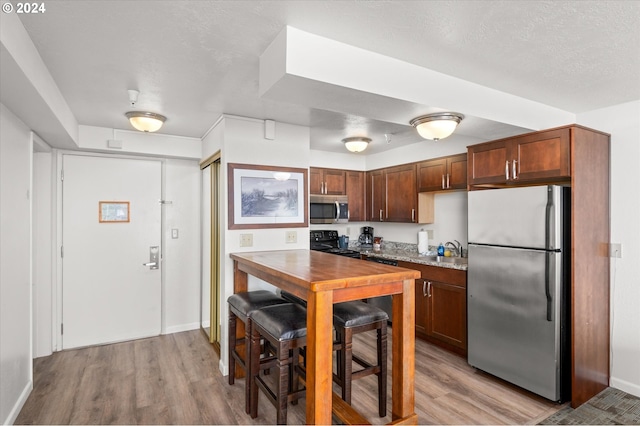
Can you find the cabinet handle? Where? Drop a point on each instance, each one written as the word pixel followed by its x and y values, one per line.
pixel 429 289
pixel 448 186
pixel 506 169
pixel 514 174
pixel 424 288
pixel 380 215
pixel 413 215
pixel 442 181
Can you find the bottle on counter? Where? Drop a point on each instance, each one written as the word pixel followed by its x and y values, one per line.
pixel 440 250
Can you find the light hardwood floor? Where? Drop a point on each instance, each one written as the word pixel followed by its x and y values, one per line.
pixel 174 379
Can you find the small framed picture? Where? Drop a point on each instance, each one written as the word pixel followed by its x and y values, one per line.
pixel 113 211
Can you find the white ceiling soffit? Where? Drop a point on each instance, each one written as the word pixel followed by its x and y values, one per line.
pixel 27 89
pixel 306 69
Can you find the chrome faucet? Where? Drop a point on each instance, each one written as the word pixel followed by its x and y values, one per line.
pixel 456 247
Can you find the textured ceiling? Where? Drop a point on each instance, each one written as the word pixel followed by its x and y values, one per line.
pixel 195 60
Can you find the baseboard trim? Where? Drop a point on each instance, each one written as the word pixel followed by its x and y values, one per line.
pixel 625 386
pixel 13 415
pixel 182 327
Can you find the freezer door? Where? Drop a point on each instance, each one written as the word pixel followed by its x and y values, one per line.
pixel 513 309
pixel 517 217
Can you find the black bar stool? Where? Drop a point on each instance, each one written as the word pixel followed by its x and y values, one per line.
pixel 242 306
pixel 349 319
pixel 285 328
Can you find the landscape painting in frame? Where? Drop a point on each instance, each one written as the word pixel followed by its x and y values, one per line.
pixel 267 196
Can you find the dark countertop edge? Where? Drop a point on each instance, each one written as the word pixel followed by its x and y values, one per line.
pixel 411 257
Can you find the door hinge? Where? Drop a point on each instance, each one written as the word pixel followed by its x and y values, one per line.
pixel 61 251
pixel 61 328
pixel 62 175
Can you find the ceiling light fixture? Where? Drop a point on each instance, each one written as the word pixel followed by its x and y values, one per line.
pixel 356 143
pixel 437 126
pixel 145 121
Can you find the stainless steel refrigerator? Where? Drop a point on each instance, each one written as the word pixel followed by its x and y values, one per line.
pixel 517 287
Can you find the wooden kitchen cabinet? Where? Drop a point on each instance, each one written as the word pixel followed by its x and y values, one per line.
pixel 327 181
pixel 355 189
pixel 447 173
pixel 441 306
pixel 535 157
pixel 392 194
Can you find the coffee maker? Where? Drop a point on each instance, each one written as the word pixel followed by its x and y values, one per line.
pixel 366 237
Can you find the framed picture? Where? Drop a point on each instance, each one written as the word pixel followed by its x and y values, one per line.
pixel 267 197
pixel 113 211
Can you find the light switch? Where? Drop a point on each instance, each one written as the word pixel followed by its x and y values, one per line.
pixel 174 233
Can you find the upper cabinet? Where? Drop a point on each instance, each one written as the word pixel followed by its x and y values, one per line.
pixel 534 157
pixel 442 174
pixel 327 181
pixel 392 196
pixel 355 192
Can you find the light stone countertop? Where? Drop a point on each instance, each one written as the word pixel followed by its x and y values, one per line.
pixel 408 253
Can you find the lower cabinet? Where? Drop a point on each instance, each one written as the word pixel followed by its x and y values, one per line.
pixel 441 306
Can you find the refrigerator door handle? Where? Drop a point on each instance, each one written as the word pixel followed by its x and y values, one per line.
pixel 549 267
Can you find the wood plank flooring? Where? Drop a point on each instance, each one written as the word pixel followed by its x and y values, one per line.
pixel 174 379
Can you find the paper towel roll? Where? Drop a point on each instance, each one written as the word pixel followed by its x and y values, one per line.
pixel 423 242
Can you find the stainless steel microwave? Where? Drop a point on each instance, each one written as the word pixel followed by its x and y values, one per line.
pixel 328 209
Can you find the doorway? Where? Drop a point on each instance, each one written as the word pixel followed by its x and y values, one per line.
pixel 111 229
pixel 210 282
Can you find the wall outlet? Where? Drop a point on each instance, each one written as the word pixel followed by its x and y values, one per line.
pixel 291 237
pixel 246 240
pixel 615 250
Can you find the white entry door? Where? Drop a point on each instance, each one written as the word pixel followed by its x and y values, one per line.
pixel 107 293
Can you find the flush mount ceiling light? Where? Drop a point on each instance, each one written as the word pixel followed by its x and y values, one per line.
pixel 437 126
pixel 356 143
pixel 145 121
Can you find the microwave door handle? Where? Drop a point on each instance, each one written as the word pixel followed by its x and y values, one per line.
pixel 337 211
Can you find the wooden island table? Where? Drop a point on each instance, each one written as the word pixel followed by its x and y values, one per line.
pixel 323 279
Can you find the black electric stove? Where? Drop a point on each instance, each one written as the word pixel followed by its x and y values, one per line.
pixel 327 242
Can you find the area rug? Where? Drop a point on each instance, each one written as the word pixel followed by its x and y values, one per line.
pixel 609 407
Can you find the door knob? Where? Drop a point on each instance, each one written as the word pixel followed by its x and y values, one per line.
pixel 154 258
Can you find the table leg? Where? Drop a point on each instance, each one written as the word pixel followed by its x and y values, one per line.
pixel 403 353
pixel 319 357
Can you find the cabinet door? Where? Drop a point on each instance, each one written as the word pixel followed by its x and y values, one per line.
pixel 487 163
pixel 355 192
pixel 447 307
pixel 316 184
pixel 541 156
pixel 431 175
pixel 335 182
pixel 421 307
pixel 401 203
pixel 375 196
pixel 457 172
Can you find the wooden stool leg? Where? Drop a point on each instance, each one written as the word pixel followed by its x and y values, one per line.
pixel 232 347
pixel 347 365
pixel 254 361
pixel 282 390
pixel 382 375
pixel 249 348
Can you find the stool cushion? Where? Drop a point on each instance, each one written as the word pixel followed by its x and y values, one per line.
pixel 353 314
pixel 284 322
pixel 249 301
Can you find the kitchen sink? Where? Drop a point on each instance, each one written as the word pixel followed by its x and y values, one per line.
pixel 443 259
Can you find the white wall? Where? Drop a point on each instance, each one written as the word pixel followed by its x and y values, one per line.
pixel 623 123
pixel 15 268
pixel 42 254
pixel 242 141
pixel 182 255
